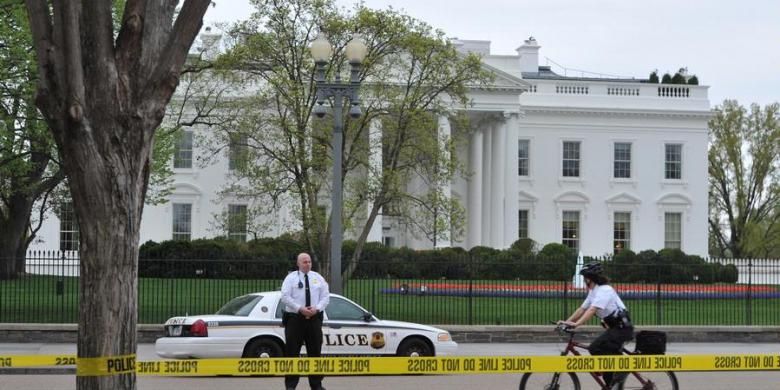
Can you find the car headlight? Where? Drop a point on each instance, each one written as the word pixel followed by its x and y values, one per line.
pixel 444 337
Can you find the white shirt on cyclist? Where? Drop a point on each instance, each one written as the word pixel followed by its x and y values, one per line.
pixel 604 299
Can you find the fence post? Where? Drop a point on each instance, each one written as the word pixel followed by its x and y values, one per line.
pixel 373 295
pixel 658 317
pixel 471 289
pixel 748 297
pixel 565 299
pixel 60 279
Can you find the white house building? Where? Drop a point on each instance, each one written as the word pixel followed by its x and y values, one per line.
pixel 598 164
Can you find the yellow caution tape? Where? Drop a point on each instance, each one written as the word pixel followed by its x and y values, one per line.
pixel 101 366
pixel 37 360
pixel 403 365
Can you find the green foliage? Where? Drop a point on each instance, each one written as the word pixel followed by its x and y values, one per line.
pixel 524 247
pixel 228 259
pixel 678 78
pixel 667 266
pixel 161 177
pixel 653 77
pixel 28 168
pixel 744 176
pixel 556 250
pixel 411 76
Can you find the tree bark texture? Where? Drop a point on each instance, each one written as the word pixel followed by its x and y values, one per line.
pixel 103 101
pixel 19 207
pixel 14 238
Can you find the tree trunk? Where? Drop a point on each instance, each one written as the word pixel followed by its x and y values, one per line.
pixel 108 196
pixel 361 242
pixel 103 96
pixel 109 270
pixel 12 237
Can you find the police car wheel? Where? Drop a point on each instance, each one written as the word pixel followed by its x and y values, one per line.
pixel 263 348
pixel 414 347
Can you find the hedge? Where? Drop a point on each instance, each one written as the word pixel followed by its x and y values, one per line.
pixel 274 257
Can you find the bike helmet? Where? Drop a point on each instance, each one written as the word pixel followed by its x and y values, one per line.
pixel 591 269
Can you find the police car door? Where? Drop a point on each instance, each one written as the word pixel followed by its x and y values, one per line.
pixel 279 330
pixel 349 332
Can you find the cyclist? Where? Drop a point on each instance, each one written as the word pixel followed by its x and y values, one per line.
pixel 604 302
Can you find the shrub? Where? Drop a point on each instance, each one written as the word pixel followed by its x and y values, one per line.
pixel 556 262
pixel 666 79
pixel 625 267
pixel 678 79
pixel 524 247
pixel 728 273
pixel 653 77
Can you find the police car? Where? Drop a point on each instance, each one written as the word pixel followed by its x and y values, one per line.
pixel 251 326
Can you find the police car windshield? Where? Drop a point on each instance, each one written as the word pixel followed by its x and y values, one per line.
pixel 240 306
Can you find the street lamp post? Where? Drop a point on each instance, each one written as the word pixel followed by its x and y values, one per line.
pixel 321 50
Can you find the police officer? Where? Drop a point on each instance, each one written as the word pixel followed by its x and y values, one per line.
pixel 305 295
pixel 604 302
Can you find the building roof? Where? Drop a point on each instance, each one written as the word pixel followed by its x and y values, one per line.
pixel 545 73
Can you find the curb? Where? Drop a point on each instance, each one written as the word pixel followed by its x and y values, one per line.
pixel 38 371
pixel 148 333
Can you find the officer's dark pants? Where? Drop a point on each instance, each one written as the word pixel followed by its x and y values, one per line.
pixel 611 343
pixel 298 331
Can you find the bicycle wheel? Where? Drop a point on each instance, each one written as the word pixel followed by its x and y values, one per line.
pixel 550 381
pixel 646 380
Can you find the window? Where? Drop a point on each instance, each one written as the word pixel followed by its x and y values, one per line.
pixel 182 154
pixel 571 229
pixel 388 241
pixel 622 169
pixel 236 222
pixel 522 218
pixel 622 231
pixel 182 221
pixel 238 152
pixel 69 228
pixel 342 310
pixel 523 157
pixel 240 306
pixel 673 161
pixel 571 159
pixel 673 230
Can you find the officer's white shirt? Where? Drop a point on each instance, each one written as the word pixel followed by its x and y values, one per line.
pixel 604 299
pixel 294 297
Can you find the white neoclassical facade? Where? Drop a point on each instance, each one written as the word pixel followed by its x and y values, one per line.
pixel 598 164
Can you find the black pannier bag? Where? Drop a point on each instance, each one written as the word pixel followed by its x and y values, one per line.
pixel 650 342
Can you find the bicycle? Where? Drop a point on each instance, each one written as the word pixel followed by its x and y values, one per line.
pixel 658 380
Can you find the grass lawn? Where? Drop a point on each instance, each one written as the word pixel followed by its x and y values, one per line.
pixel 37 299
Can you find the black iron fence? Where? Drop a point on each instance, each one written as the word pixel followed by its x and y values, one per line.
pixel 502 291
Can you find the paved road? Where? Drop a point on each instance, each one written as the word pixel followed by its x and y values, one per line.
pixel 688 381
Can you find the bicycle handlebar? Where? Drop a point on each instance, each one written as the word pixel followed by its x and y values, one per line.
pixel 563 328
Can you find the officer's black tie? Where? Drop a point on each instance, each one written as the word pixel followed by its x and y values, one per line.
pixel 308 294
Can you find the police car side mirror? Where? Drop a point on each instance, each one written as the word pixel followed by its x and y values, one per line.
pixel 368 317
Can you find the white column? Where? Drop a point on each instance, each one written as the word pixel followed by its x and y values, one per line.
pixel 487 145
pixel 375 174
pixel 475 190
pixel 511 223
pixel 444 135
pixel 497 187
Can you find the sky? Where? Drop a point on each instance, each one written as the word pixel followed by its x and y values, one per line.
pixel 733 46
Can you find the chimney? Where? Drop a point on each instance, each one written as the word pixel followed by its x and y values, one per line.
pixel 529 55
